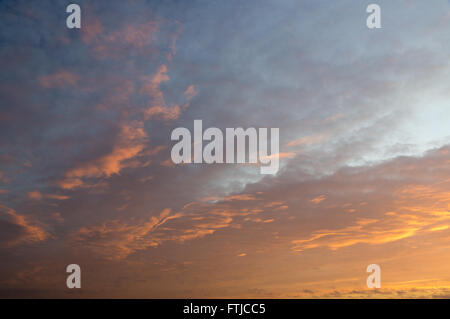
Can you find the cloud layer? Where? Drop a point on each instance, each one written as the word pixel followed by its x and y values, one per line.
pixel 86 175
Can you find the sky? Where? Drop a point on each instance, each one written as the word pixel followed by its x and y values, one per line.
pixel 86 175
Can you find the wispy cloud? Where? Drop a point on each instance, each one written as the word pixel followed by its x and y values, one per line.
pixel 31 232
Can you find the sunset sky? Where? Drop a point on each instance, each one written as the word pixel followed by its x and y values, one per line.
pixel 86 175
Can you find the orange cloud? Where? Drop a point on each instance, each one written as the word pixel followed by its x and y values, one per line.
pixel 131 142
pixel 56 196
pixel 91 31
pixel 190 92
pixel 138 38
pixel 318 199
pixel 164 113
pixel 116 240
pixel 168 163
pixel 58 79
pixel 418 209
pixel 240 197
pixel 32 231
pixel 279 155
pixel 367 232
pixel 158 108
pixel 307 140
pixel 37 195
pixel 152 83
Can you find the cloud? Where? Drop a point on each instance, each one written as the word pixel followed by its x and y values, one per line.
pixel 30 232
pixel 364 231
pixel 116 239
pixel 137 38
pixel 307 140
pixel 58 79
pixel 414 209
pixel 37 195
pixel 158 108
pixel 57 196
pixel 318 199
pixel 190 92
pixel 96 117
pixel 130 142
pixel 162 112
pixel 240 197
pixel 91 31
